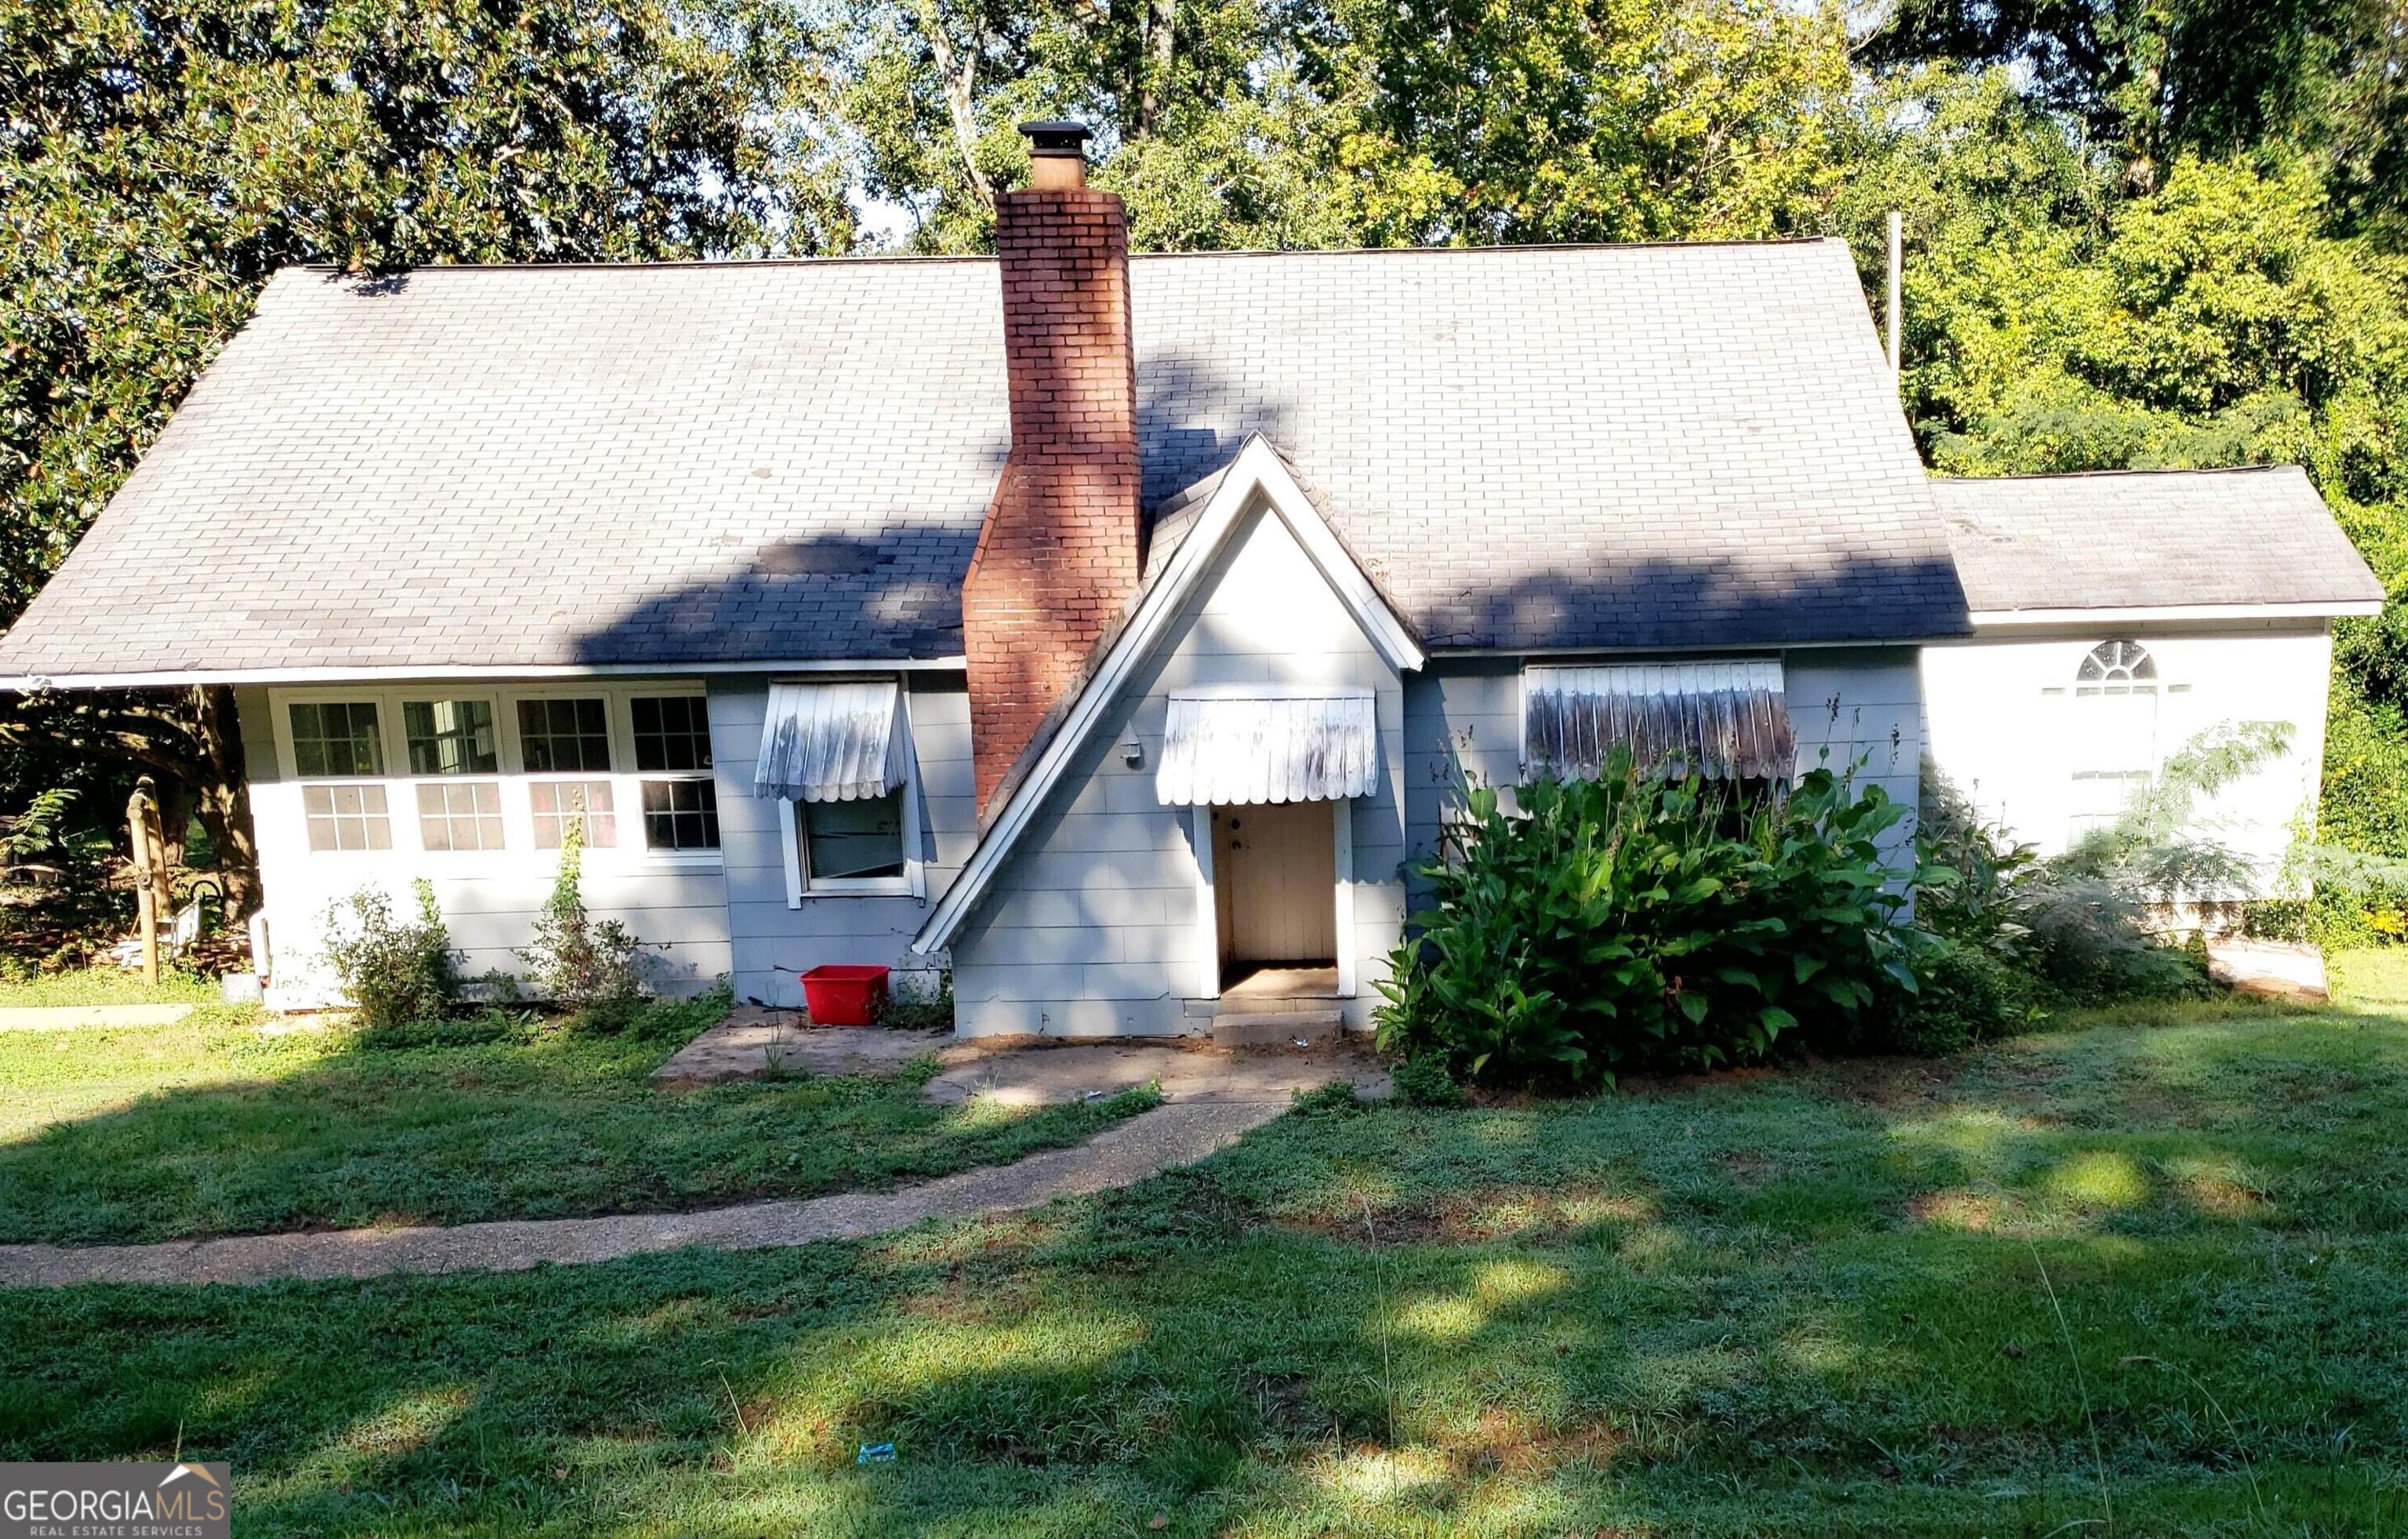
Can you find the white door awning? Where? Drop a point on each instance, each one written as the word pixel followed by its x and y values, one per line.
pixel 1237 749
pixel 1721 721
pixel 832 741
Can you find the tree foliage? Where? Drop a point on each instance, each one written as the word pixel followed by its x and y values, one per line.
pixel 159 161
pixel 2162 234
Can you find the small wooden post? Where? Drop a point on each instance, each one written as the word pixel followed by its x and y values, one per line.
pixel 152 888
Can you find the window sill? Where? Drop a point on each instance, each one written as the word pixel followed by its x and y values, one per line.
pixel 873 887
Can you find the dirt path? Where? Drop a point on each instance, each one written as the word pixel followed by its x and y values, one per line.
pixel 1179 1133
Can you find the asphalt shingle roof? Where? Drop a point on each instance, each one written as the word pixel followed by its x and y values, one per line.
pixel 2150 539
pixel 1660 446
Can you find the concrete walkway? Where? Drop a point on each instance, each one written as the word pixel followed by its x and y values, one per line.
pixel 754 1042
pixel 1046 1076
pixel 90 1017
pixel 1146 1144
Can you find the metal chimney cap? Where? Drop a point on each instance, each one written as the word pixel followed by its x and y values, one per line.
pixel 1057 138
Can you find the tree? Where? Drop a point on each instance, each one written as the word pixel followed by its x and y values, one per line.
pixel 2153 80
pixel 158 162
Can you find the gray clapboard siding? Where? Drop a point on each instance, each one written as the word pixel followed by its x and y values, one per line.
pixel 1857 710
pixel 772 941
pixel 1092 927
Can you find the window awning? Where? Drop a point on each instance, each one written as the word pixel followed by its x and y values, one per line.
pixel 832 741
pixel 1240 748
pixel 1724 721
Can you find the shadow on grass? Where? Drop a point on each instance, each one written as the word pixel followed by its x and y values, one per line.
pixel 1723 1309
pixel 335 1133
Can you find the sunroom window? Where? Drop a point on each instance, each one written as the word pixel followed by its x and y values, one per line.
pixel 455 738
pixel 337 737
pixel 451 737
pixel 564 736
pixel 672 736
pixel 341 740
pixel 585 805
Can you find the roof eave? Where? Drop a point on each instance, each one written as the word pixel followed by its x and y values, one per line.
pixel 2317 608
pixel 430 672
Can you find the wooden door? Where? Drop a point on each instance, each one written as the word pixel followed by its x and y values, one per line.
pixel 1276 870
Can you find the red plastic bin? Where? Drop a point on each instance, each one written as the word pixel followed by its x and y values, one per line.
pixel 844 993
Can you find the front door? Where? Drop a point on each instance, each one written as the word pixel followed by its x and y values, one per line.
pixel 1275 869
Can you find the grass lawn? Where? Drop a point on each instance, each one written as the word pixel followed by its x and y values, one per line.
pixel 2146 1275
pixel 210 1128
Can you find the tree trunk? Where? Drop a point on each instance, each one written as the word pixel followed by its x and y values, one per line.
pixel 960 78
pixel 222 803
pixel 174 795
pixel 1161 41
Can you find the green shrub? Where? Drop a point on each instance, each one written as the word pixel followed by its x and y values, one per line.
pixel 912 1005
pixel 1425 1081
pixel 1636 921
pixel 393 970
pixel 2074 929
pixel 576 961
pixel 1968 995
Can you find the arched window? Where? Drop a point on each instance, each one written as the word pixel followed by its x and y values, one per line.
pixel 2116 663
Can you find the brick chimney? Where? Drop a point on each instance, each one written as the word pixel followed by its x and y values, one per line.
pixel 1057 557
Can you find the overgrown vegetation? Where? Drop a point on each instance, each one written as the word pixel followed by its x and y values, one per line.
pixel 394 969
pixel 1635 921
pixel 915 1004
pixel 576 961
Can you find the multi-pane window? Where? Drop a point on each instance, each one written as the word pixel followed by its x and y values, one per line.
pixel 462 815
pixel 562 737
pixel 672 736
pixel 337 737
pixel 2101 799
pixel 672 732
pixel 2116 667
pixel 860 839
pixel 568 750
pixel 449 737
pixel 582 804
pixel 681 814
pixel 347 817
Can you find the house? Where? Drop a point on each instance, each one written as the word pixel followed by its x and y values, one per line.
pixel 1108 629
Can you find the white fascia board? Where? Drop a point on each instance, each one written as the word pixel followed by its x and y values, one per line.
pixel 433 673
pixel 2160 614
pixel 1702 649
pixel 1257 471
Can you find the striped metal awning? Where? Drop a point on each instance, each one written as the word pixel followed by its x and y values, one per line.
pixel 832 741
pixel 1723 721
pixel 1239 749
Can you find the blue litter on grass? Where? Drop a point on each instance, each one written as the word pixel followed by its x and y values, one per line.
pixel 875 1453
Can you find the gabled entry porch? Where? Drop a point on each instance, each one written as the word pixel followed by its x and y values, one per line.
pixel 1269 775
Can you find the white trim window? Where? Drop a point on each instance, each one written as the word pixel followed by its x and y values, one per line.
pixel 680 799
pixel 569 735
pixel 838 757
pixel 556 805
pixel 446 741
pixel 341 746
pixel 505 770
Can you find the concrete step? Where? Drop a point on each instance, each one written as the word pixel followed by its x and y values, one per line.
pixel 1315 1028
pixel 1238 1002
